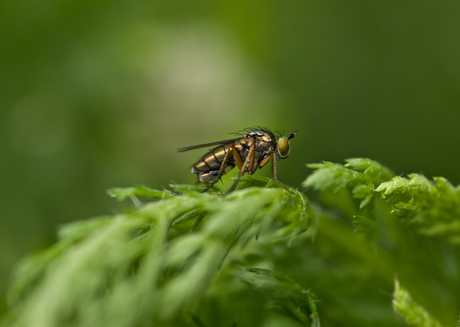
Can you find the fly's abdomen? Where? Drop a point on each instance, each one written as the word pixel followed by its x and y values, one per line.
pixel 207 168
pixel 213 159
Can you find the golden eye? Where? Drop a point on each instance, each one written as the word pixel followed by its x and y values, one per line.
pixel 284 147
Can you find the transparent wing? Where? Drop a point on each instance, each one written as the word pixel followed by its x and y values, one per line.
pixel 204 145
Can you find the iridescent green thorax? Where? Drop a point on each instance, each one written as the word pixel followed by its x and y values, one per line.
pixel 260 132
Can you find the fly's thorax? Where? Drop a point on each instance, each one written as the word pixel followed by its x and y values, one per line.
pixel 245 141
pixel 265 148
pixel 265 144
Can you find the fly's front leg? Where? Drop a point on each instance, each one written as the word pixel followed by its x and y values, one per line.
pixel 221 170
pixel 275 176
pixel 265 160
pixel 251 152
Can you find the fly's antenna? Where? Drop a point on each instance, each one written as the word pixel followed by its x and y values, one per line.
pixel 292 134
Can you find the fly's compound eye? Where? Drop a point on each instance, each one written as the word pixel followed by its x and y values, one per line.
pixel 284 147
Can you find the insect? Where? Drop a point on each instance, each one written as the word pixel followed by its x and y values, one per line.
pixel 251 150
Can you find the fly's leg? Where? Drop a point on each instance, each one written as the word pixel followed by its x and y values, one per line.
pixel 275 176
pixel 265 160
pixel 238 160
pixel 221 170
pixel 214 181
pixel 244 168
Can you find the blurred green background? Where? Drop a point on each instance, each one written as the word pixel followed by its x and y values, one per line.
pixel 100 94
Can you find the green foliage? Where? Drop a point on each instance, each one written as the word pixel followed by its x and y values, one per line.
pixel 411 223
pixel 358 174
pixel 153 264
pixel 284 292
pixel 130 192
pixel 433 206
pixel 249 258
pixel 414 314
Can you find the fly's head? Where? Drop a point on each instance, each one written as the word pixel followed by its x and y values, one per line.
pixel 283 145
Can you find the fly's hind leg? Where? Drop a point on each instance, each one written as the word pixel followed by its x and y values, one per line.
pixel 223 170
pixel 214 180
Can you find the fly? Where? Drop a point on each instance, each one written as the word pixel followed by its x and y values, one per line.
pixel 251 150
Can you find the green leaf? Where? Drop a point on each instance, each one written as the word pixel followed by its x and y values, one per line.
pixel 359 175
pixel 377 172
pixel 172 262
pixel 151 265
pixel 284 291
pixel 433 206
pixel 329 175
pixel 127 192
pixel 362 223
pixel 412 312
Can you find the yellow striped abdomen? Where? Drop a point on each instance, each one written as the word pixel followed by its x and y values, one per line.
pixel 207 168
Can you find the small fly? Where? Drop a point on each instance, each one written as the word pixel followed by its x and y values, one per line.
pixel 251 150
